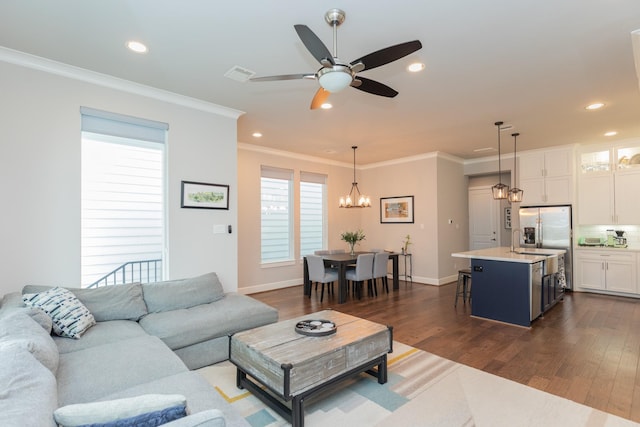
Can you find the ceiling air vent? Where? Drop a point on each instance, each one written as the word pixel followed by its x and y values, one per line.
pixel 239 74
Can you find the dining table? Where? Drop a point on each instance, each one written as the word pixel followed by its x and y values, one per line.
pixel 341 261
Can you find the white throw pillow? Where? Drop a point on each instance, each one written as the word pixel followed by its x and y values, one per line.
pixel 70 317
pixel 111 411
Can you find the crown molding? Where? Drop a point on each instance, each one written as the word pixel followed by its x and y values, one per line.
pixel 291 155
pixel 76 73
pixel 282 153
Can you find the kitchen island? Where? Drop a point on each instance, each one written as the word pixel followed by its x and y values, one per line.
pixel 512 286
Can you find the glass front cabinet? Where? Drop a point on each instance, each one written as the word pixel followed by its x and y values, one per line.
pixel 607 179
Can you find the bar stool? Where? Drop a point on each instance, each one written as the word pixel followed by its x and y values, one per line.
pixel 464 286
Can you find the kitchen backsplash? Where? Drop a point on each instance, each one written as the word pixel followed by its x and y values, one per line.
pixel 632 232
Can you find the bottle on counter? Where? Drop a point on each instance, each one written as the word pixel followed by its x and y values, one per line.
pixel 610 237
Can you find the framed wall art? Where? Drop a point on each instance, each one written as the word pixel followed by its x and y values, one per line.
pixel 507 218
pixel 200 195
pixel 396 210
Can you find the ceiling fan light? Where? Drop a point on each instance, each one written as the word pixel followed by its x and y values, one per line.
pixel 335 81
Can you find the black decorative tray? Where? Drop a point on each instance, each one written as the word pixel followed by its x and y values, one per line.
pixel 316 327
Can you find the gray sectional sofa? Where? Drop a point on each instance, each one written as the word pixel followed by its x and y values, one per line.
pixel 145 341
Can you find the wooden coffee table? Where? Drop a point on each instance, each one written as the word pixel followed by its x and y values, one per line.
pixel 293 367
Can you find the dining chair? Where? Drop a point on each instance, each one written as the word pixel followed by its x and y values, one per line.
pixel 320 274
pixel 322 252
pixel 380 262
pixel 362 272
pixel 337 251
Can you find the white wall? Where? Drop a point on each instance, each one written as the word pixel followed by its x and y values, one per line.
pixel 40 174
pixel 453 218
pixel 254 277
pixel 439 188
pixel 436 182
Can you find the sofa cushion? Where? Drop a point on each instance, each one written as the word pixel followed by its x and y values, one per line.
pixel 117 302
pixel 70 317
pixel 185 293
pixel 201 396
pixel 180 328
pixel 101 333
pixel 19 331
pixel 89 374
pixel 28 395
pixel 12 302
pixel 149 410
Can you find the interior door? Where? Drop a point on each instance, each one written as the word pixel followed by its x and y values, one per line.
pixel 484 219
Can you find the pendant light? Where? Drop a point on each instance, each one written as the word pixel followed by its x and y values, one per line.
pixel 500 191
pixel 515 194
pixel 354 199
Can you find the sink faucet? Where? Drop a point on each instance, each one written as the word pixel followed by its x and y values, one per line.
pixel 513 240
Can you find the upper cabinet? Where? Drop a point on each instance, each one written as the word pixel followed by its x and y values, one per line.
pixel 546 176
pixel 607 184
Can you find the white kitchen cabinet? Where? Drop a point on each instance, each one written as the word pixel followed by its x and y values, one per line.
pixel 627 202
pixel 613 271
pixel 546 176
pixel 596 199
pixel 607 185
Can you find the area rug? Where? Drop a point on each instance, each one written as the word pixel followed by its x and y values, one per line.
pixel 422 390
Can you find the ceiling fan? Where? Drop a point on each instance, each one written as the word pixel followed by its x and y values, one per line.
pixel 336 75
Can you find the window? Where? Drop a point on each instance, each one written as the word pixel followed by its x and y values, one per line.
pixel 276 221
pixel 123 202
pixel 313 203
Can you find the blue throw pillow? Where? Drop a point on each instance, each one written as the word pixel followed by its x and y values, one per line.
pixel 151 419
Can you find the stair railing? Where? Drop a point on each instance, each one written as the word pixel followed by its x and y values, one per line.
pixel 132 272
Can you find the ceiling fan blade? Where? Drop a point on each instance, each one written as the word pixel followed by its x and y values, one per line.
pixel 283 77
pixel 389 54
pixel 314 45
pixel 374 87
pixel 320 98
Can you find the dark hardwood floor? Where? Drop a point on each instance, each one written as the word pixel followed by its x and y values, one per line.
pixel 585 349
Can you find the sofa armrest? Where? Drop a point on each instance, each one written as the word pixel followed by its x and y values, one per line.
pixel 208 418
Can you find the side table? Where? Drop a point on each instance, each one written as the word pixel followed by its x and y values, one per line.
pixel 407 274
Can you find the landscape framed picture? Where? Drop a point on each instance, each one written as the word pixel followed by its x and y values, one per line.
pixel 200 195
pixel 394 210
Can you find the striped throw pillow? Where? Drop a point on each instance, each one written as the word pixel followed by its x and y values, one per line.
pixel 70 317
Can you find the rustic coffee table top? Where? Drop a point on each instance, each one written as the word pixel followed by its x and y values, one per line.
pixel 273 352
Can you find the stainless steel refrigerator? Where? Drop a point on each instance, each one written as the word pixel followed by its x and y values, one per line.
pixel 549 227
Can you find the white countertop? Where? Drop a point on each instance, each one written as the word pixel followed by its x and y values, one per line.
pixel 503 253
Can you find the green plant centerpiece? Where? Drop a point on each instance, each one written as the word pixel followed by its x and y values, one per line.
pixel 405 244
pixel 352 237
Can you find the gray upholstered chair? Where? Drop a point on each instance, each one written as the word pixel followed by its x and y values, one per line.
pixel 320 274
pixel 362 272
pixel 380 262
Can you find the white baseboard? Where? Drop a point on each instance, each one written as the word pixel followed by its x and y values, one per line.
pixel 246 290
pixel 270 286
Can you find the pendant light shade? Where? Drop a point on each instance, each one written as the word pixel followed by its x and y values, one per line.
pixel 500 191
pixel 515 194
pixel 354 199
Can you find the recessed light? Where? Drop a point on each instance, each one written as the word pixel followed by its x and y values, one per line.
pixel 594 106
pixel 415 67
pixel 137 46
pixel 326 106
pixel 256 135
pixel 611 133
